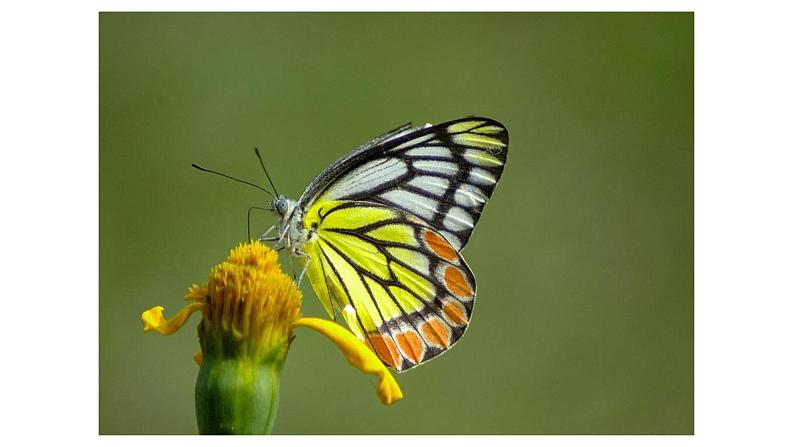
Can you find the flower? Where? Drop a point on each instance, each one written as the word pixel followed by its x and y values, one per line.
pixel 249 310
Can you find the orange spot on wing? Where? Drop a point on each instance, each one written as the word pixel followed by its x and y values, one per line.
pixel 384 348
pixel 439 245
pixel 455 313
pixel 411 345
pixel 457 283
pixel 436 332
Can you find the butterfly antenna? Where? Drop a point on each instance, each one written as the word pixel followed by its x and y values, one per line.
pixel 249 220
pixel 231 178
pixel 256 149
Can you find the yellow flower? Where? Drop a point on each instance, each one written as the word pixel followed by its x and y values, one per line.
pixel 249 310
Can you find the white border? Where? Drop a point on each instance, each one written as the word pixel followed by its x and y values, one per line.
pixel 744 221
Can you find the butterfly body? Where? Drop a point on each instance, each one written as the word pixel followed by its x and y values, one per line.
pixel 380 233
pixel 291 231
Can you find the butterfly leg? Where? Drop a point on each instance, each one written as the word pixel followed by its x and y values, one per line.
pixel 300 254
pixel 262 238
pixel 292 267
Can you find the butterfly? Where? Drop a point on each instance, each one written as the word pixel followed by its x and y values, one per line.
pixel 380 232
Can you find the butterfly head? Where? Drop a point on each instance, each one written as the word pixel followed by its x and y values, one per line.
pixel 281 206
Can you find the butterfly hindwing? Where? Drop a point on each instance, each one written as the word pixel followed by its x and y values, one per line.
pixel 443 174
pixel 400 285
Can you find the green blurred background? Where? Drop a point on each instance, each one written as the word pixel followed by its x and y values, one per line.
pixel 584 257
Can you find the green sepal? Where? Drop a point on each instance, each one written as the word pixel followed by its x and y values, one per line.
pixel 236 394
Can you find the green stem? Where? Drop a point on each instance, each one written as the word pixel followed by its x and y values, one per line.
pixel 236 394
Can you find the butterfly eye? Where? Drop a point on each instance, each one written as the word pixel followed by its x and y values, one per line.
pixel 281 206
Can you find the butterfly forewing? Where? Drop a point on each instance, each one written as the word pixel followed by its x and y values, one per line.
pixel 400 285
pixel 442 174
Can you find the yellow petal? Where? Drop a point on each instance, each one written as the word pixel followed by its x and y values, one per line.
pixel 153 319
pixel 358 355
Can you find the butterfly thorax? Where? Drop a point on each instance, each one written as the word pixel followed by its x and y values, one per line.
pixel 291 231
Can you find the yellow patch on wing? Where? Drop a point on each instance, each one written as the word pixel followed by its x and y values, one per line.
pixel 463 126
pixel 397 233
pixel 417 283
pixel 346 218
pixel 387 306
pixel 366 255
pixel 489 130
pixel 351 319
pixel 407 301
pixel 481 158
pixel 316 270
pixel 480 141
pixel 413 258
pixel 356 291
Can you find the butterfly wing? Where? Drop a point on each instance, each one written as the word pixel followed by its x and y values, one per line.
pixel 443 174
pixel 402 288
